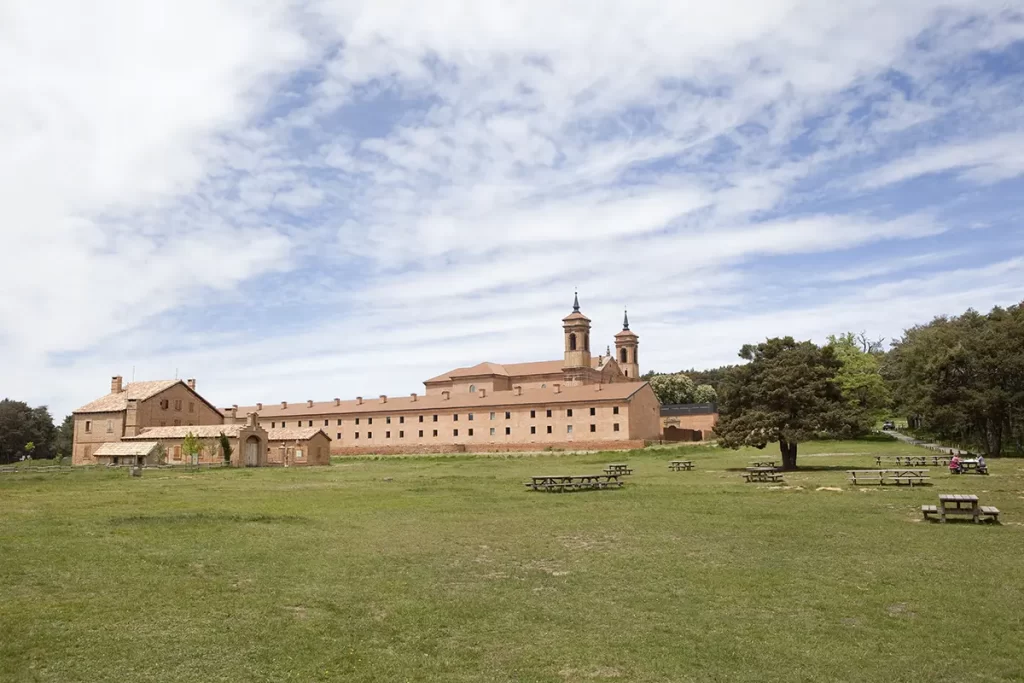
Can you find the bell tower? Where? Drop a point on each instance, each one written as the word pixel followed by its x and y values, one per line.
pixel 626 343
pixel 576 329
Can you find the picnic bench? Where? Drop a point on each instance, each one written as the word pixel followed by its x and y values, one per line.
pixel 573 482
pixel 679 465
pixel 763 463
pixel 960 504
pixel 762 474
pixel 970 466
pixel 915 460
pixel 617 468
pixel 893 476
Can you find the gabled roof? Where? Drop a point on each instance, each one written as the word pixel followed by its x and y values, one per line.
pixel 119 401
pixel 515 371
pixel 142 448
pixel 140 391
pixel 458 401
pixel 294 433
pixel 181 431
pixel 479 370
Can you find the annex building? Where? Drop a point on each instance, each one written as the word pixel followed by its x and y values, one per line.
pixel 579 402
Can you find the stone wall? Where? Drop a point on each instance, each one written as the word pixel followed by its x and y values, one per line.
pixel 448 449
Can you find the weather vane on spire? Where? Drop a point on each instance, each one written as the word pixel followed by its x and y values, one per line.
pixel 576 301
pixel 625 319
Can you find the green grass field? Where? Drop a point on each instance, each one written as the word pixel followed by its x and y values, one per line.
pixel 446 569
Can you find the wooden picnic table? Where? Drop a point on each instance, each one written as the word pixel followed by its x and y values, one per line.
pixel 764 463
pixel 958 504
pixel 914 460
pixel 762 474
pixel 617 468
pixel 970 466
pixel 573 482
pixel 892 476
pixel 679 465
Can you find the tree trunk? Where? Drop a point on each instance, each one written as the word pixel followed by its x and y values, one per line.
pixel 788 450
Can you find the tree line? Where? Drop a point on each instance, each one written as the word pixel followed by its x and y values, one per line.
pixel 957 379
pixel 30 432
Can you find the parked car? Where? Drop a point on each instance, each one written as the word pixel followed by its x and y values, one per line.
pixel 887 425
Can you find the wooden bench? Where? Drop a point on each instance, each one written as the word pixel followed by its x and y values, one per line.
pixel 567 482
pixel 618 469
pixel 762 474
pixel 990 512
pixel 679 465
pixel 882 477
pixel 929 510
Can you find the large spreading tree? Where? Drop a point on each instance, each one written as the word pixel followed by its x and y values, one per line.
pixel 786 393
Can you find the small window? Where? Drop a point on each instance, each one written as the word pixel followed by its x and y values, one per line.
pixel 387 435
pixel 110 426
pixel 177 404
pixel 615 427
pixel 357 420
pixel 369 435
pixel 401 434
pixel 177 423
pixel 508 430
pixel 164 404
pixel 387 420
pixel 549 429
pixel 369 420
pixel 508 415
pixel 543 386
pixel 593 411
pixel 471 432
pixel 421 433
pixel 283 425
pixel 339 423
pixel 455 432
pixel 339 435
pixel 568 429
pixel 492 431
pixel 455 417
pixel 533 413
pixel 492 415
pixel 533 430
pixel 401 419
pixel 191 407
pixel 593 428
pixel 615 410
pixel 549 412
pixel 471 417
pixel 421 418
pixel 326 423
pixel 435 432
pixel 356 435
pixel 88 426
pixel 298 454
pixel 472 388
pixel 435 418
pixel 568 412
pixel 310 423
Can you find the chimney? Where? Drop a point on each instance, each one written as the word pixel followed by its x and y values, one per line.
pixel 337 402
pixel 483 393
pixel 309 403
pixel 558 387
pixel 115 384
pixel 518 389
pixel 259 406
pixel 383 398
pixel 445 395
pixel 284 404
pixel 191 384
pixel 131 418
pixel 251 419
pixel 359 400
pixel 234 410
pixel 413 397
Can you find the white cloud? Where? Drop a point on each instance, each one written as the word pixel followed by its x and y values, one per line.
pixel 334 197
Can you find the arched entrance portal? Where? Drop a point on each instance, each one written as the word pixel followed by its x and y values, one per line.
pixel 252 451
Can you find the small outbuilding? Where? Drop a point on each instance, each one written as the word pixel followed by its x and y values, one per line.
pixel 247 441
pixel 127 453
pixel 299 446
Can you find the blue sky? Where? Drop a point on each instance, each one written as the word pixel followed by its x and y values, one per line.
pixel 327 199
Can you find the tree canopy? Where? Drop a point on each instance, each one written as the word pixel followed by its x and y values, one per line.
pixel 866 393
pixel 787 393
pixel 21 425
pixel 679 388
pixel 962 378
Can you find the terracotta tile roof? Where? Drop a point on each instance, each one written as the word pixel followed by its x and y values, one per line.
pixel 119 401
pixel 294 433
pixel 494 399
pixel 516 371
pixel 179 432
pixel 121 448
pixel 543 367
pixel 478 370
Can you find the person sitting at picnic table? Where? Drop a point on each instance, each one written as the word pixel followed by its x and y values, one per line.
pixel 954 464
pixel 982 468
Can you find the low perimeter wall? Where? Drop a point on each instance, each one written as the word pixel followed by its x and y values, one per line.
pixel 444 449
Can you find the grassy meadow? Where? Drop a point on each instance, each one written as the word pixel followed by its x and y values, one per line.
pixel 447 569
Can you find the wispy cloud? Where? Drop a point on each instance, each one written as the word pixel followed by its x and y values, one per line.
pixel 326 197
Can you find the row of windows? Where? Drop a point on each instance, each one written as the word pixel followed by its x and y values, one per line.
pixel 165 404
pixel 469 432
pixel 455 417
